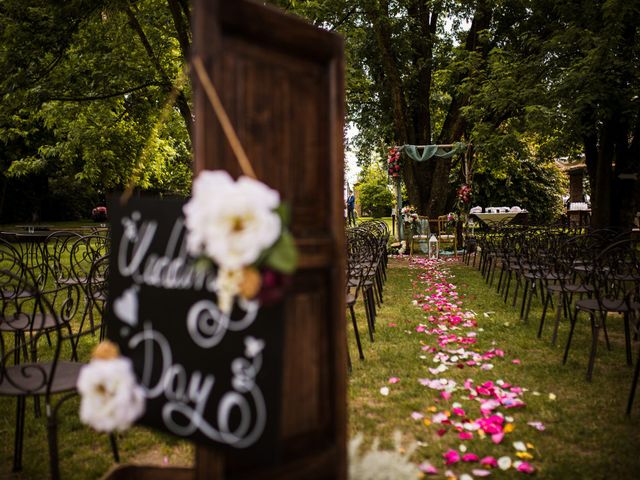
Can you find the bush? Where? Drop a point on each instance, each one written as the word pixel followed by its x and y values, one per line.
pixel 375 197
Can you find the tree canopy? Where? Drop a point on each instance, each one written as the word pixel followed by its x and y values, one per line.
pixel 84 85
pixel 526 82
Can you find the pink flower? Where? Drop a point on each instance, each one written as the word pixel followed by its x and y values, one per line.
pixel 489 462
pixel 451 456
pixel 470 457
pixel 479 472
pixel 426 467
pixel 525 467
pixel 445 395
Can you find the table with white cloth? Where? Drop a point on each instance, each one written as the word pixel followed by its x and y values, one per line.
pixel 493 220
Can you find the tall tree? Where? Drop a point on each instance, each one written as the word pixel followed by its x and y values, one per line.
pixel 84 83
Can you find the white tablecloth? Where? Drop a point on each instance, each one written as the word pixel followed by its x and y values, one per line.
pixel 494 218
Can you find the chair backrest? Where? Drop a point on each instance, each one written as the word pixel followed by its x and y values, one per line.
pixel 445 227
pixel 422 225
pixel 617 272
pixel 37 353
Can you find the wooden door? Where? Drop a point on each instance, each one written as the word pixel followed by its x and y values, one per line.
pixel 281 82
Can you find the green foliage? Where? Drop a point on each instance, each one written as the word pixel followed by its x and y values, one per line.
pixel 376 199
pixel 82 90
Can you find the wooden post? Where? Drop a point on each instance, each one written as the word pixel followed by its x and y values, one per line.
pixel 280 80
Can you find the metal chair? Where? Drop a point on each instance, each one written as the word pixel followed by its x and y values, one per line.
pixel 42 361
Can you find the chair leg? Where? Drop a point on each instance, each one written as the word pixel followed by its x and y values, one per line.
pixel 19 434
pixel 368 314
pixel 562 303
pixel 606 333
pixel 595 331
pixel 634 384
pixel 506 289
pixel 113 441
pixel 357 334
pixel 531 293
pixel 52 435
pixel 544 314
pixel 525 295
pixel 627 339
pixel 573 319
pixel 515 293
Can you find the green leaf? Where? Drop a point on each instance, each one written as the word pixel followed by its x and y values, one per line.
pixel 283 256
pixel 284 212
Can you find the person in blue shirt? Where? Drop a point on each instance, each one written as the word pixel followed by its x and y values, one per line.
pixel 351 210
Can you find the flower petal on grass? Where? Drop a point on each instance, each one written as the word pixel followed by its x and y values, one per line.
pixel 426 467
pixel 480 472
pixel 504 463
pixel 537 425
pixel 520 446
pixel 451 457
pixel 489 462
pixel 524 467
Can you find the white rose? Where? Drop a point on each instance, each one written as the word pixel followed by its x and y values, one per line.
pixel 231 222
pixel 110 397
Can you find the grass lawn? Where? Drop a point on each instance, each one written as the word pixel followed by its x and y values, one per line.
pixel 586 432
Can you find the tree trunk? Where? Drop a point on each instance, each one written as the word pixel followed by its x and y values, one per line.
pixel 181 100
pixel 599 158
pixel 437 196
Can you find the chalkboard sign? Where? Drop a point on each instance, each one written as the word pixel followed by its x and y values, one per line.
pixel 208 377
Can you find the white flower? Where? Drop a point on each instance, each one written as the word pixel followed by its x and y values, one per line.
pixel 227 287
pixel 232 222
pixel 111 398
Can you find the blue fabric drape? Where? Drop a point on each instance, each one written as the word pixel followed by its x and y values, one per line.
pixel 430 151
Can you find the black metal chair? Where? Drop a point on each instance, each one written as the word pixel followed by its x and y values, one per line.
pixel 40 360
pixel 616 283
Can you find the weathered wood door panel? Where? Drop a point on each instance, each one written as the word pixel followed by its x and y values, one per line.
pixel 281 83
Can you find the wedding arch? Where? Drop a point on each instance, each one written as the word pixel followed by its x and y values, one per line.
pixel 428 152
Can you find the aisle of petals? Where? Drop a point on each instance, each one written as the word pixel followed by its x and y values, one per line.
pixel 477 414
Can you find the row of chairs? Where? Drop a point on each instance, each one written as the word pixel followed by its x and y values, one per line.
pixel 366 273
pixel 52 295
pixel 574 271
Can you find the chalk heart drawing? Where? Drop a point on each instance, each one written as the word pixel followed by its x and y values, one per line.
pixel 253 346
pixel 126 306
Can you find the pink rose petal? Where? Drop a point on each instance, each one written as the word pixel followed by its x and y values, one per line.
pixel 525 467
pixel 497 437
pixel 479 472
pixel 394 380
pixel 451 456
pixel 470 457
pixel 489 462
pixel 426 467
pixel 537 425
